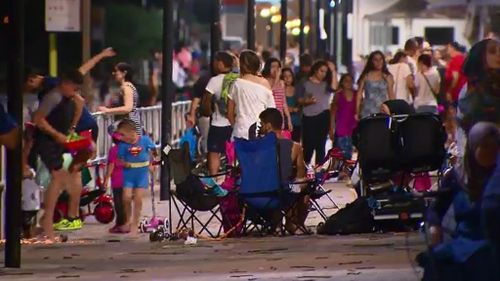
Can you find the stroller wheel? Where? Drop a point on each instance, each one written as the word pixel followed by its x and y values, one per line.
pixel 165 224
pixel 104 212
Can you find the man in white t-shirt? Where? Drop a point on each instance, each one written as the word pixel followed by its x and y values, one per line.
pixel 428 82
pixel 220 128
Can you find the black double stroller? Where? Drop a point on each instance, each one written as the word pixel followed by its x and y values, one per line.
pixel 393 151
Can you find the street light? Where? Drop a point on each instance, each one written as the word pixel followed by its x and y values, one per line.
pixel 265 13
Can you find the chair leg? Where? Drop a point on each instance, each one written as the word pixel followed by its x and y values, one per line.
pixel 319 209
pixel 329 197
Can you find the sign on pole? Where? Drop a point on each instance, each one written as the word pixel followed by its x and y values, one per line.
pixel 62 15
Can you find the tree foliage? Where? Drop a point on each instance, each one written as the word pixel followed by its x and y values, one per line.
pixel 133 31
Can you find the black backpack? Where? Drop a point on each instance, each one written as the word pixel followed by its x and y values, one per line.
pixel 355 217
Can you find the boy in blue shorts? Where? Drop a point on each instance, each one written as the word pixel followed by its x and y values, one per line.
pixel 136 153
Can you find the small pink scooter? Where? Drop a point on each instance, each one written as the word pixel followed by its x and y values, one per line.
pixel 154 223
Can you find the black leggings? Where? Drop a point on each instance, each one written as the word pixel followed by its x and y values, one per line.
pixel 314 134
pixel 119 210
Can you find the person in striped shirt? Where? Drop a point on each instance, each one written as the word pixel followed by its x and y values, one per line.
pixel 272 72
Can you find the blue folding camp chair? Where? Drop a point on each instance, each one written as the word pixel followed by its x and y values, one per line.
pixel 263 193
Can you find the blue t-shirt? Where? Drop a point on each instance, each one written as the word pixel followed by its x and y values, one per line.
pixel 138 152
pixel 7 123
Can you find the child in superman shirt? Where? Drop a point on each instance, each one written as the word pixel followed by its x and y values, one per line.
pixel 135 152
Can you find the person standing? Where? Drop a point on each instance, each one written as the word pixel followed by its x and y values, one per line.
pixel 213 101
pixel 317 92
pixel 193 118
pixel 428 83
pixel 454 76
pixel 412 52
pixel 377 84
pixel 272 72
pixel 123 74
pixel 114 172
pixel 292 103
pixel 343 110
pixel 53 122
pixel 249 96
pixel 137 153
pixel 404 86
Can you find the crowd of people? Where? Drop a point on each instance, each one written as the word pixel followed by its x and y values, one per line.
pixel 247 95
pixel 463 88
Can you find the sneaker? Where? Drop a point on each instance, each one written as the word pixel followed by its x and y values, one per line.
pixel 77 224
pixel 59 225
pixel 65 225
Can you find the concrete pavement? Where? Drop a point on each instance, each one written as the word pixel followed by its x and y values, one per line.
pixel 93 254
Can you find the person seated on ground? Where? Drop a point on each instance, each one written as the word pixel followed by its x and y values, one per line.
pixel 396 107
pixel 292 166
pixel 467 255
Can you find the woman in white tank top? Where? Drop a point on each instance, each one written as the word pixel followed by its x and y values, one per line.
pixel 248 97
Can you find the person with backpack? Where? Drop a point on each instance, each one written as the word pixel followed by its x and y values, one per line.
pixel 214 105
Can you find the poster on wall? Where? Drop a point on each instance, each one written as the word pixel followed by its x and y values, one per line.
pixel 62 15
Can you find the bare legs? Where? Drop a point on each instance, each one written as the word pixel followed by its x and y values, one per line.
pixel 74 189
pixel 132 218
pixel 213 163
pixel 51 195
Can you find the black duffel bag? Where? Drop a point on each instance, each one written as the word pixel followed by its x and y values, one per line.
pixel 355 217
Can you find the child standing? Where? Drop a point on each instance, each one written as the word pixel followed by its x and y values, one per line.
pixel 115 173
pixel 135 152
pixel 343 110
pixel 30 202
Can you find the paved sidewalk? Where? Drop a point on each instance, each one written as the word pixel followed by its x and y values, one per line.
pixel 93 254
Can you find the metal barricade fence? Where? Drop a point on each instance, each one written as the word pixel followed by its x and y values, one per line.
pixel 151 122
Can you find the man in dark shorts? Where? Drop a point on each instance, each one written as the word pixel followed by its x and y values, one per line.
pixel 220 129
pixel 53 121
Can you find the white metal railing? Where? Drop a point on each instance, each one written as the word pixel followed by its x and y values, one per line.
pixel 151 121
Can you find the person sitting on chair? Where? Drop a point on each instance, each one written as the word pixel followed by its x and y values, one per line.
pixel 292 166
